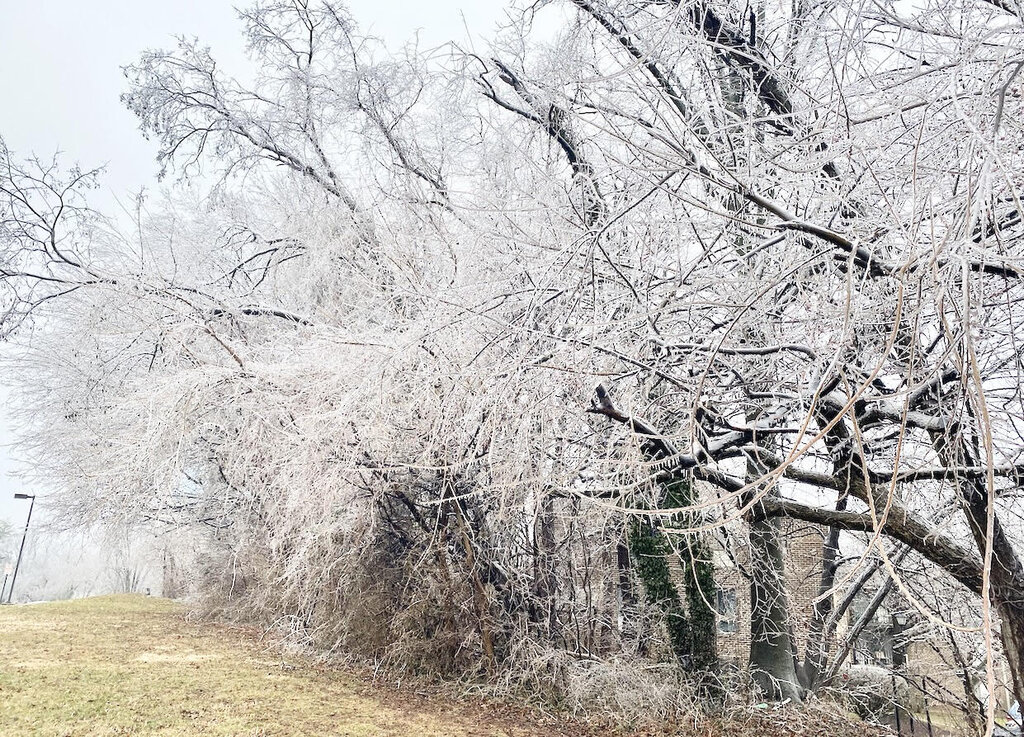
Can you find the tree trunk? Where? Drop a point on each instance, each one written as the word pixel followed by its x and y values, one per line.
pixel 1006 581
pixel 1006 574
pixel 649 551
pixel 1011 615
pixel 626 600
pixel 480 600
pixel 545 585
pixel 771 642
pixel 698 580
pixel 772 650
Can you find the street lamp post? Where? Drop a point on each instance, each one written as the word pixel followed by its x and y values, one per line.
pixel 14 578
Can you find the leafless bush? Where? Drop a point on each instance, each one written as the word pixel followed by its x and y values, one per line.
pixel 873 692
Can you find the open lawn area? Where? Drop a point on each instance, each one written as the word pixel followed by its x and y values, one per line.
pixel 132 665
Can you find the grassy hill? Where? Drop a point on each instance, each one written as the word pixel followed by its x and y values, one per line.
pixel 132 665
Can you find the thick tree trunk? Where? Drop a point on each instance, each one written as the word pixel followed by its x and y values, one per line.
pixel 1006 580
pixel 698 577
pixel 771 642
pixel 772 650
pixel 1011 617
pixel 649 552
pixel 1006 574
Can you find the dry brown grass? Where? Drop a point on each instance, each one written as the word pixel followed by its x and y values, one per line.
pixel 132 665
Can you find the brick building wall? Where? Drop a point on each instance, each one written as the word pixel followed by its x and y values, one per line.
pixel 802 544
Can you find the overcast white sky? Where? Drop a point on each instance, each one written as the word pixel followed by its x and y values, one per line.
pixel 61 79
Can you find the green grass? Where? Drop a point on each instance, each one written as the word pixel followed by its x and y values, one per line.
pixel 132 665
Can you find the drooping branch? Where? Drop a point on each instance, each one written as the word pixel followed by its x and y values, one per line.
pixel 254 311
pixel 555 121
pixel 960 562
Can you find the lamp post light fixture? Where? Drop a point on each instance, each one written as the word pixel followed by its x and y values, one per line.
pixel 14 578
pixel 900 624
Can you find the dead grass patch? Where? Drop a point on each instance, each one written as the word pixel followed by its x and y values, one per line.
pixel 132 665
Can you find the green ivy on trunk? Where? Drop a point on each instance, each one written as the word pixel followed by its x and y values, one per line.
pixel 692 628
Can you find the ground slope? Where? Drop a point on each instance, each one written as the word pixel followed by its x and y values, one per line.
pixel 132 665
